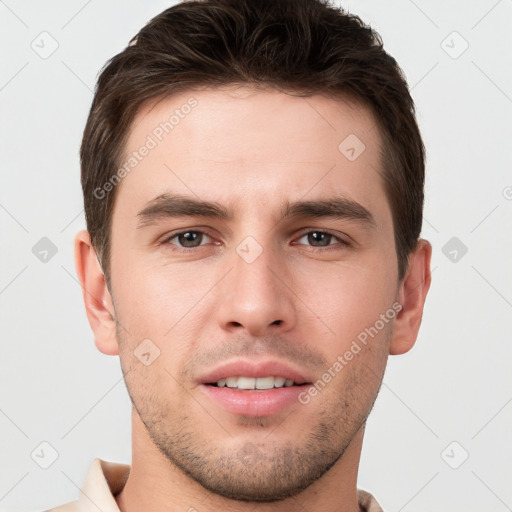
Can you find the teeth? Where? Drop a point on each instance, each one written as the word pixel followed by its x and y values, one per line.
pixel 279 382
pixel 263 383
pixel 231 382
pixel 254 383
pixel 246 383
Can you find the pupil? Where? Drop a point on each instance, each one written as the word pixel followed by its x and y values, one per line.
pixel 189 238
pixel 317 237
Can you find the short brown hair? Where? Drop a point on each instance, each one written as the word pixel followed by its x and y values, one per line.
pixel 305 46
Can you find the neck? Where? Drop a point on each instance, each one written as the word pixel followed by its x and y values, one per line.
pixel 155 484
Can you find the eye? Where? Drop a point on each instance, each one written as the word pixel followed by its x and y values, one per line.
pixel 321 239
pixel 188 239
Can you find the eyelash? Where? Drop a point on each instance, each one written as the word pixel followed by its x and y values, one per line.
pixel 167 240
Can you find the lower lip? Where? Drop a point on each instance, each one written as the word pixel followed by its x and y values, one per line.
pixel 254 403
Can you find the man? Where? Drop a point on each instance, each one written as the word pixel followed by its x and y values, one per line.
pixel 253 184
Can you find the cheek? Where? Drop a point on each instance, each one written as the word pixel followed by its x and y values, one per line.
pixel 167 305
pixel 155 297
pixel 349 298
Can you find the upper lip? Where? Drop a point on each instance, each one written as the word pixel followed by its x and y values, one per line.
pixel 244 368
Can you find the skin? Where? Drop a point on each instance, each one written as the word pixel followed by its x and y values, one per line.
pixel 303 300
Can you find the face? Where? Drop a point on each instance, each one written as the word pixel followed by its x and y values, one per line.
pixel 253 239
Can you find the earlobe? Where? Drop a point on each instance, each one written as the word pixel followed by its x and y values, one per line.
pixel 98 302
pixel 412 294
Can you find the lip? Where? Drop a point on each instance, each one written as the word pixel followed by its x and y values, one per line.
pixel 254 403
pixel 244 368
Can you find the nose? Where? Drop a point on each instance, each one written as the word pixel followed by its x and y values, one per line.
pixel 256 296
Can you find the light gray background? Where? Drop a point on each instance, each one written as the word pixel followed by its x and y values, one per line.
pixel 455 385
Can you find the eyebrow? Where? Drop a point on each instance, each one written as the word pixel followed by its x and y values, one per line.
pixel 171 205
pixel 336 207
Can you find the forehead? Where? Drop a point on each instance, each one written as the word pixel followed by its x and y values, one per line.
pixel 219 113
pixel 230 143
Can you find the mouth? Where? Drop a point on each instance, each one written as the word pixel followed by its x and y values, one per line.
pixel 251 389
pixel 247 375
pixel 254 383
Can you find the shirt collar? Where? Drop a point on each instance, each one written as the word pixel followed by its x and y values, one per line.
pixel 103 481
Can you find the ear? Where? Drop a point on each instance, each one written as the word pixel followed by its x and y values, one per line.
pixel 411 295
pixel 97 299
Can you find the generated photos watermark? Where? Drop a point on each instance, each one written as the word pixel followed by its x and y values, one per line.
pixel 152 140
pixel 355 347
